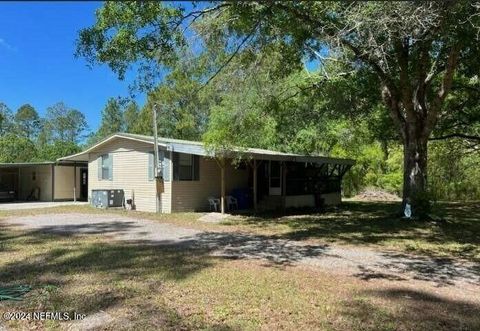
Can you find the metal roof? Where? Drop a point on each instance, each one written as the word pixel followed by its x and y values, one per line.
pixel 25 164
pixel 39 163
pixel 198 148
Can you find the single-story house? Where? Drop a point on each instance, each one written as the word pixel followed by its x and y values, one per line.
pixel 45 181
pixel 190 174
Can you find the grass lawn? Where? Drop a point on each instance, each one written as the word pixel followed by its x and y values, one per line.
pixel 145 287
pixel 167 287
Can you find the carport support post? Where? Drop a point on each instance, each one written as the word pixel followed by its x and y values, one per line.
pixel 53 182
pixel 74 182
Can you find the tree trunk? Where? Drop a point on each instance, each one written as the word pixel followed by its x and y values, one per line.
pixel 384 146
pixel 412 128
pixel 415 173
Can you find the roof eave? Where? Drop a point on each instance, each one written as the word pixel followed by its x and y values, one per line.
pixel 83 156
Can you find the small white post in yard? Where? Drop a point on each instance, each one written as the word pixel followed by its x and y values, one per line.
pixel 222 199
pixel 221 164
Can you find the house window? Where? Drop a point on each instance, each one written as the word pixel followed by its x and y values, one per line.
pixel 186 166
pixel 106 167
pixel 185 170
pixel 151 166
pixel 34 175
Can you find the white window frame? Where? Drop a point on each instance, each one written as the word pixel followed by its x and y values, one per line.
pixel 108 167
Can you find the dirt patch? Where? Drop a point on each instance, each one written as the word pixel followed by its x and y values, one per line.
pixel 376 195
pixel 213 217
pixel 93 322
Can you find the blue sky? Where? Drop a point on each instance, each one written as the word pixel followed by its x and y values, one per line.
pixel 37 63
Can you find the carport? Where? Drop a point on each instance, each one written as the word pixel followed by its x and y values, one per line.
pixel 45 181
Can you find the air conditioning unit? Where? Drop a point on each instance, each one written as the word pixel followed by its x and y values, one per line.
pixel 108 198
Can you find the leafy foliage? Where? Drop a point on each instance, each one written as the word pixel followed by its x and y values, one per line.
pixel 57 149
pixel 15 148
pixel 25 136
pixel 133 32
pixel 27 121
pixel 64 124
pixel 112 119
pixel 130 116
pixel 6 119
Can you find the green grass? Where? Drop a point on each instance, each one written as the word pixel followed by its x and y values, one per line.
pixel 146 287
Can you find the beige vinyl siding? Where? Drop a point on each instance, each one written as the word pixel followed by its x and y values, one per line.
pixel 43 180
pixel 64 182
pixel 130 173
pixel 192 195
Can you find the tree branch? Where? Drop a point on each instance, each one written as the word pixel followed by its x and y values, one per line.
pixel 457 135
pixel 402 53
pixel 199 13
pixel 230 58
pixel 445 88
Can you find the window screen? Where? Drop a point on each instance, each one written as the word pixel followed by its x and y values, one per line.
pixel 106 170
pixel 151 158
pixel 185 170
pixel 185 166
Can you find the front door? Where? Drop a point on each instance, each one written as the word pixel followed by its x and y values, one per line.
pixel 275 187
pixel 83 184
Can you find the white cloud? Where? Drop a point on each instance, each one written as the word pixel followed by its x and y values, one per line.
pixel 6 45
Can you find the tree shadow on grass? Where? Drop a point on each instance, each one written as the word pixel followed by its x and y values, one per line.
pixel 87 276
pixel 361 223
pixel 416 310
pixel 67 253
pixel 110 227
pixel 246 246
pixel 439 271
pixel 352 223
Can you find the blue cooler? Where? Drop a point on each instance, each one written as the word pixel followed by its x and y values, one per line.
pixel 243 196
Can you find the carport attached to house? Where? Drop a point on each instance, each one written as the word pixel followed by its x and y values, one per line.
pixel 51 180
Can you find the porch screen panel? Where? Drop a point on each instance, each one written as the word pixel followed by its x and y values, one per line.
pixel 307 178
pixel 196 167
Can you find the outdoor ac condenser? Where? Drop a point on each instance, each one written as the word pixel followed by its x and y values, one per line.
pixel 108 198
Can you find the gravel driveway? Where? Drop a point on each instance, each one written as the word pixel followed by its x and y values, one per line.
pixel 359 262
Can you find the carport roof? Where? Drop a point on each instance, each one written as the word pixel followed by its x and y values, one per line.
pixel 40 163
pixel 24 164
pixel 198 148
